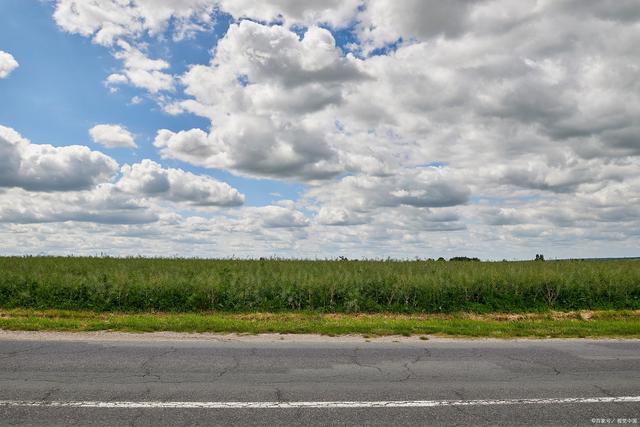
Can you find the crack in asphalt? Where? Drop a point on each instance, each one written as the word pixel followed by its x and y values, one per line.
pixel 407 365
pixel 356 361
pixel 426 353
pixel 534 362
pixel 144 366
pixel 225 371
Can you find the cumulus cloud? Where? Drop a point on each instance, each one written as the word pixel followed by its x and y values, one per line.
pixel 337 13
pixel 281 217
pixel 271 55
pixel 142 71
pixel 149 179
pixel 452 126
pixel 250 146
pixel 7 64
pixel 262 89
pixel 551 119
pixel 115 79
pixel 339 216
pixel 41 167
pixel 102 205
pixel 121 25
pixel 110 20
pixel 426 188
pixel 46 184
pixel 112 136
pixel 386 21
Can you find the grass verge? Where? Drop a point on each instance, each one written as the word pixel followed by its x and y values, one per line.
pixel 541 325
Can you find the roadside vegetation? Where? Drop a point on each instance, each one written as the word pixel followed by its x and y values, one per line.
pixel 138 285
pixel 621 324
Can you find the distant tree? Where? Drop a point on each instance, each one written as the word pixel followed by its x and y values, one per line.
pixel 464 258
pixel 539 257
pixel 441 259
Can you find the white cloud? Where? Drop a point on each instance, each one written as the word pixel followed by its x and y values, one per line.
pixel 490 127
pixel 116 79
pixel 425 188
pixel 339 216
pixel 47 184
pixel 337 13
pixel 149 179
pixel 112 136
pixel 280 217
pixel 7 64
pixel 141 71
pixel 41 167
pixel 551 119
pixel 101 205
pixel 260 88
pixel 386 21
pixel 109 20
pixel 122 24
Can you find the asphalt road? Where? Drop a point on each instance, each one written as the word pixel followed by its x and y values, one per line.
pixel 78 374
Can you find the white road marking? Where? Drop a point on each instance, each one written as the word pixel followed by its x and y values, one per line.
pixel 298 405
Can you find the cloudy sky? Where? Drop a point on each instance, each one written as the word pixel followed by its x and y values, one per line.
pixel 299 128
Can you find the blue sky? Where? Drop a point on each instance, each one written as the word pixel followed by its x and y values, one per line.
pixel 362 128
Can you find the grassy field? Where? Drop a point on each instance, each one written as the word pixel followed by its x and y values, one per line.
pixel 237 286
pixel 623 324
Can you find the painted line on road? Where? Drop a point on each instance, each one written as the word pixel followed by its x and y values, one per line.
pixel 320 405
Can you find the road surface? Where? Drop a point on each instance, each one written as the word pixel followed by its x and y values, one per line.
pixel 170 379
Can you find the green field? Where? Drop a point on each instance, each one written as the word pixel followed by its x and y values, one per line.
pixel 138 285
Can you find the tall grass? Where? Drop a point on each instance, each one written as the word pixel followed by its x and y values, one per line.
pixel 186 285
